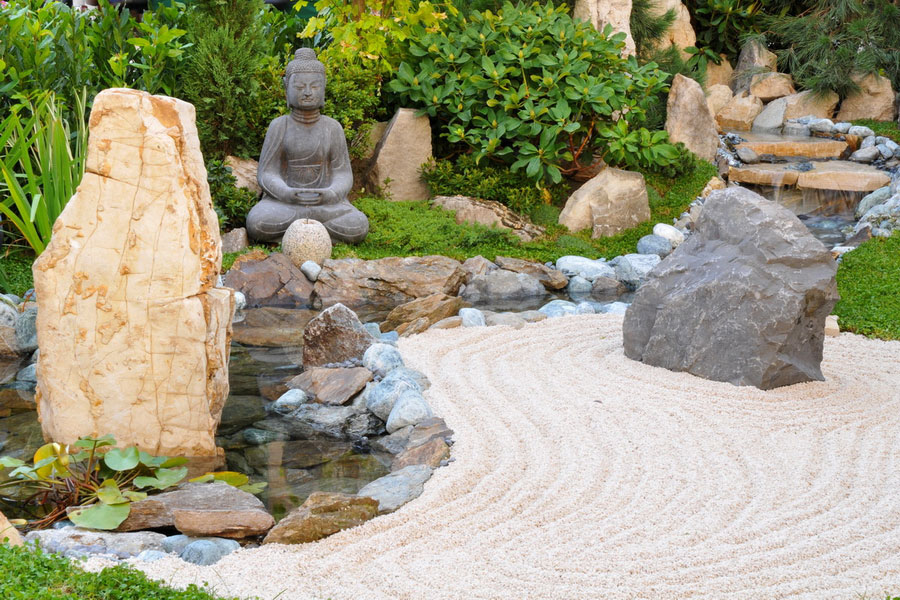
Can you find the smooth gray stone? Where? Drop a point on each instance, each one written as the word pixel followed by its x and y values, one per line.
pixel 884 219
pixel 578 285
pixel 865 155
pixel 879 196
pixel 151 555
pixel 8 315
pixel 26 330
pixel 860 131
pixel 76 541
pixel 743 300
pixel 584 308
pixel 771 118
pixel 382 395
pixel 389 337
pixel 747 155
pixel 500 284
pixel 396 489
pixel 868 142
pixel 410 409
pixel 559 308
pixel 27 374
pixel 472 317
pixel 374 329
pixel 411 375
pixel 796 130
pixel 614 308
pixel 206 552
pixel 381 358
pixel 885 152
pixel 821 126
pixel 311 269
pixel 842 127
pixel 584 267
pixel 654 244
pixel 632 269
pixel 289 401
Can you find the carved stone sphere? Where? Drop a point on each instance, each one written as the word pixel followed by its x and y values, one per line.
pixel 306 239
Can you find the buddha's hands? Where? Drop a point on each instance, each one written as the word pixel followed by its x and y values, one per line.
pixel 316 196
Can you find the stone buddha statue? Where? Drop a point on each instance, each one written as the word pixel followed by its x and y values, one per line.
pixel 304 169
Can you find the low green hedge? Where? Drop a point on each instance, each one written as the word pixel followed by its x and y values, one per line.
pixel 35 575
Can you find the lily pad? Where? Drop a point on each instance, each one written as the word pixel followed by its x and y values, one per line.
pixel 101 516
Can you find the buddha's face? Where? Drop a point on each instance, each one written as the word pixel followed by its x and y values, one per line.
pixel 306 91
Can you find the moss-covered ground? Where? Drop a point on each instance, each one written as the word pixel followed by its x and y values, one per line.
pixel 869 283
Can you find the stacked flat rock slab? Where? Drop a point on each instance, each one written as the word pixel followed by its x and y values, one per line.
pixel 418 315
pixel 687 121
pixel 134 334
pixel 743 300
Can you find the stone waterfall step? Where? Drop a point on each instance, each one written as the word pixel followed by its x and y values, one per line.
pixel 834 175
pixel 782 147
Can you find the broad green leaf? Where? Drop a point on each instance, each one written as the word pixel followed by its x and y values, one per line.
pixel 151 461
pixel 164 478
pixel 230 477
pixel 122 459
pixel 101 516
pixel 109 493
pixel 9 462
pixel 253 488
pixel 87 442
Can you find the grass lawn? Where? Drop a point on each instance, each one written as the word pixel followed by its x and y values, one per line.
pixel 886 128
pixel 869 283
pixel 27 575
pixel 15 272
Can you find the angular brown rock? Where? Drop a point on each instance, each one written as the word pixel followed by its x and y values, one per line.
pixel 134 334
pixel 552 279
pixel 387 282
pixel 332 386
pixel 808 103
pixel 688 120
pixel 244 171
pixel 875 100
pixel 771 86
pixel 610 202
pixel 336 335
pixel 270 281
pixel 490 213
pixel 601 13
pixel 717 98
pixel 218 508
pixel 322 514
pixel 273 326
pixel 431 453
pixel 739 112
pixel 403 149
pixel 719 74
pixel 431 308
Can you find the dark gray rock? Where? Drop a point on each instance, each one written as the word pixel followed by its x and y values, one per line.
pixel 743 300
pixel 654 244
pixel 208 551
pixel 26 330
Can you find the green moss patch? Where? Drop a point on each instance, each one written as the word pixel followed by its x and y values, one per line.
pixel 15 273
pixel 886 128
pixel 869 283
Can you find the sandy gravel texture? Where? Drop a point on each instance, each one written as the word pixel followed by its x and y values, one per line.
pixel 581 474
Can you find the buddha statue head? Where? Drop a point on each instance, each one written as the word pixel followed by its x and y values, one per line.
pixel 304 81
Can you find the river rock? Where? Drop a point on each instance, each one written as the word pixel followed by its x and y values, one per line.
pixel 559 308
pixel 472 317
pixel 883 219
pixel 336 335
pixel 332 386
pixel 381 396
pixel 321 515
pixel 387 281
pixel 672 234
pixel 584 267
pixel 502 284
pixel 578 285
pixel 429 309
pixel 75 542
pixel 632 269
pixel 270 281
pixel 610 202
pixel 654 244
pixel 743 300
pixel 740 113
pixel 601 13
pixel 403 149
pixel 605 288
pixel 205 552
pixel 134 333
pixel 235 240
pixel 552 279
pixel 204 509
pixel 381 359
pixel 9 535
pixel 771 86
pixel 316 421
pixel 879 196
pixel 504 319
pixel 687 121
pixel 410 409
pixel 875 100
pixel 747 155
pixel 809 103
pixel 394 490
pixel 26 330
pixel 489 213
pixel 432 453
pixel 866 155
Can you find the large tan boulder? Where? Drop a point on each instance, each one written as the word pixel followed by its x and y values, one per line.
pixel 8 534
pixel 610 202
pixel 875 100
pixel 134 334
pixel 601 13
pixel 740 112
pixel 688 120
pixel 719 74
pixel 680 34
pixel 810 103
pixel 718 96
pixel 754 59
pixel 399 156
pixel 771 86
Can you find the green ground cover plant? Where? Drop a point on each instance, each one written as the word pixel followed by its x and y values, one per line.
pixel 889 129
pixel 31 574
pixel 869 283
pixel 15 271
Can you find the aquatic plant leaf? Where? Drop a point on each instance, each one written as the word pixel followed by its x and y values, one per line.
pixel 119 459
pixel 109 493
pixel 151 461
pixel 101 516
pixel 89 442
pixel 230 477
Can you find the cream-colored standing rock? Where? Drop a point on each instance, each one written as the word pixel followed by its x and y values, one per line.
pixel 134 334
pixel 680 34
pixel 306 239
pixel 718 97
pixel 740 112
pixel 808 103
pixel 875 100
pixel 611 201
pixel 688 119
pixel 719 74
pixel 771 86
pixel 601 13
pixel 403 149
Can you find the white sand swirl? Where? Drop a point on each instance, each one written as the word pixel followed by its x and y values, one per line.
pixel 581 474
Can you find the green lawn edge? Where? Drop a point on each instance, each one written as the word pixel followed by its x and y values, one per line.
pixel 868 280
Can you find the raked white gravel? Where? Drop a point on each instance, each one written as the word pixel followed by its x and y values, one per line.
pixel 581 474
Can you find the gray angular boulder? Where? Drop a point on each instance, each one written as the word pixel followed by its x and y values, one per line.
pixel 743 300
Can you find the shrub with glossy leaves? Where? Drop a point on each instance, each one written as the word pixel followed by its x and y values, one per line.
pixel 534 88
